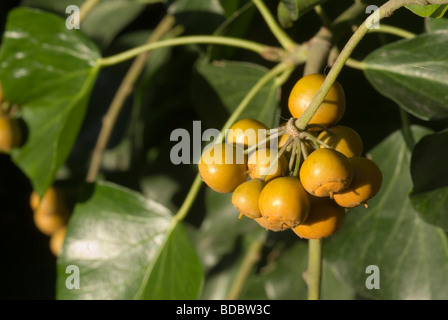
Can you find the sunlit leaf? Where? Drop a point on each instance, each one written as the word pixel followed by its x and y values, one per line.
pixel 126 247
pixel 49 71
pixel 413 73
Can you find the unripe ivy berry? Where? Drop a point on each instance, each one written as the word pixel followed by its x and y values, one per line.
pixel 246 196
pixel 260 161
pixel 34 201
pixel 324 220
pixel 332 108
pixel 223 167
pixel 247 132
pixel 271 224
pixel 52 212
pixel 367 181
pixel 283 204
pixel 57 240
pixel 10 133
pixel 325 172
pixel 343 139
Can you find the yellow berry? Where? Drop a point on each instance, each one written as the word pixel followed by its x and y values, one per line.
pixel 332 108
pixel 367 181
pixel 10 134
pixel 283 204
pixel 343 139
pixel 246 196
pixel 247 132
pixel 223 167
pixel 260 161
pixel 52 212
pixel 324 220
pixel 57 240
pixel 325 172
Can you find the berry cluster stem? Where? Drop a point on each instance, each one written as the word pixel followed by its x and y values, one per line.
pixel 274 135
pixel 313 275
pixel 275 161
pixel 298 159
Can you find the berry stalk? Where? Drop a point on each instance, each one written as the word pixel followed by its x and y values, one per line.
pixel 313 275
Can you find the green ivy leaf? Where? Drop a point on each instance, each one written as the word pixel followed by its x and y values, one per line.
pixel 289 11
pixel 197 16
pixel 239 20
pixel 126 247
pixel 49 71
pixel 413 73
pixel 411 254
pixel 430 178
pixel 103 23
pixel 109 18
pixel 430 10
pixel 50 5
pixel 177 6
pixel 436 24
pixel 216 92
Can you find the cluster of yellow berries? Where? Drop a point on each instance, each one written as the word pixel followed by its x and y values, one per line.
pixel 51 214
pixel 286 178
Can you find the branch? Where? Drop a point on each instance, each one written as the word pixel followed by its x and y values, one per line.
pixel 123 92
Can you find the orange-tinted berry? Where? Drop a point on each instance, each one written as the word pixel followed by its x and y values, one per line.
pixel 343 139
pixel 223 167
pixel 283 204
pixel 324 220
pixel 325 172
pixel 246 196
pixel 260 161
pixel 332 108
pixel 57 240
pixel 10 134
pixel 247 132
pixel 367 181
pixel 52 212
